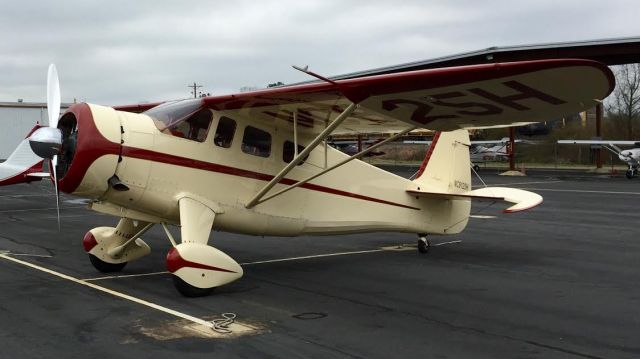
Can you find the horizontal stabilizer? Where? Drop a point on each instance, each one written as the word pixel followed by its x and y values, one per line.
pixel 523 200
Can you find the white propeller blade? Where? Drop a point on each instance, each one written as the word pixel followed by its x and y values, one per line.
pixel 53 110
pixel 53 96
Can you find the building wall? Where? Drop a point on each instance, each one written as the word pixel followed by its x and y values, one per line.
pixel 16 120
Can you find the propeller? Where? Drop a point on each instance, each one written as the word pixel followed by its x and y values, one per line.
pixel 46 142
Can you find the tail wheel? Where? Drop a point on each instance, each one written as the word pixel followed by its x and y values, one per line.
pixel 106 267
pixel 423 244
pixel 188 290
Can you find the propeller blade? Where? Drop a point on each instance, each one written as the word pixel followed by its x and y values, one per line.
pixel 53 96
pixel 54 161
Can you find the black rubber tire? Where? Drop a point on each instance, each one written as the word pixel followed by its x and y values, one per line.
pixel 188 290
pixel 105 267
pixel 476 168
pixel 630 174
pixel 423 247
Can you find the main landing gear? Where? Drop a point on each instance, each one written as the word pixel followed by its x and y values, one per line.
pixel 631 172
pixel 424 243
pixel 110 249
pixel 197 268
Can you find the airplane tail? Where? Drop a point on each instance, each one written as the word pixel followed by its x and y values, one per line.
pixel 446 168
pixel 22 165
pixel 445 176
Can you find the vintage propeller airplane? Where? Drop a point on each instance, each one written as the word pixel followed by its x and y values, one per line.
pixel 631 156
pixel 258 163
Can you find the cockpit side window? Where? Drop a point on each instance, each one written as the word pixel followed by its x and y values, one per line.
pixel 256 142
pixel 224 133
pixel 288 152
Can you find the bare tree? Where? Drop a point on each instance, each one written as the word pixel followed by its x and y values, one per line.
pixel 624 103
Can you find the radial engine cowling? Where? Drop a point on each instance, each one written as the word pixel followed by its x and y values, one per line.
pixel 89 151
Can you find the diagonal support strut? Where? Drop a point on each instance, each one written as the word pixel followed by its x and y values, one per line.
pixel 316 141
pixel 341 163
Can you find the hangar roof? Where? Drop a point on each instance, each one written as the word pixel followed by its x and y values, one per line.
pixel 615 51
pixel 30 104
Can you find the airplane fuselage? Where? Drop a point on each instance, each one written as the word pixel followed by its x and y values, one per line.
pixel 155 168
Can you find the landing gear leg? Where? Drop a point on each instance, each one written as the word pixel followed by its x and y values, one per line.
pixel 197 267
pixel 631 172
pixel 424 243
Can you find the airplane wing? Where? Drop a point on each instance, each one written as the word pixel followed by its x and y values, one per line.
pixel 22 165
pixel 437 99
pixel 599 142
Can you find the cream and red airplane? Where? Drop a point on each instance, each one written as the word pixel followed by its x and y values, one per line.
pixel 257 162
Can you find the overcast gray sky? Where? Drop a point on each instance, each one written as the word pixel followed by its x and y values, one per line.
pixel 121 52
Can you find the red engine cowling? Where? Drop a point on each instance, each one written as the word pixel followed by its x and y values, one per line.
pixel 91 146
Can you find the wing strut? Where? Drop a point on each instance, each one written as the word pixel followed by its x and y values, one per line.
pixel 343 162
pixel 316 141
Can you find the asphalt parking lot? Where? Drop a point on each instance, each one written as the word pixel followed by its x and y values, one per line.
pixel 560 281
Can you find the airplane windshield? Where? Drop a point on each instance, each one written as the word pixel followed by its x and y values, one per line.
pixel 170 114
pixel 185 118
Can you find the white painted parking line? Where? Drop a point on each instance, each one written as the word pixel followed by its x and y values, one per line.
pixel 111 292
pixel 445 243
pixel 244 264
pixel 27 195
pixel 125 276
pixel 383 249
pixel 313 256
pixel 521 183
pixel 39 209
pixel 29 255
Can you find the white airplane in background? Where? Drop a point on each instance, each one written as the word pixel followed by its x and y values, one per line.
pixel 22 165
pixel 258 162
pixel 631 157
pixel 497 150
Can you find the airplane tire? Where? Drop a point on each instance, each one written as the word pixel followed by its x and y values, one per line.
pixel 188 290
pixel 629 174
pixel 476 168
pixel 423 246
pixel 105 267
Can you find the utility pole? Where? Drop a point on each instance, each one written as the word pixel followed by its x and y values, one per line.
pixel 599 113
pixel 194 90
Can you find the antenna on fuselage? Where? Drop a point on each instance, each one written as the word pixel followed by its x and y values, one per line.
pixel 305 69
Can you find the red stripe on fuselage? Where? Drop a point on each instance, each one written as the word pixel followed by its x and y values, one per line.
pixel 214 167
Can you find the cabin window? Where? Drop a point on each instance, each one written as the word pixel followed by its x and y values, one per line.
pixel 288 152
pixel 185 119
pixel 256 142
pixel 224 133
